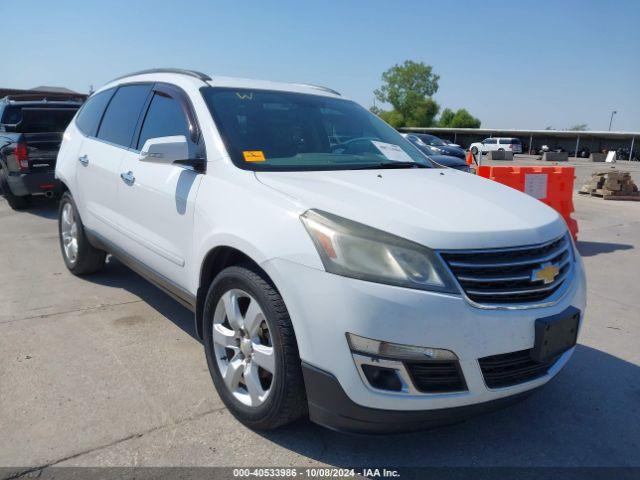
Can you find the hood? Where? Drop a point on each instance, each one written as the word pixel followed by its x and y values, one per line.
pixel 442 209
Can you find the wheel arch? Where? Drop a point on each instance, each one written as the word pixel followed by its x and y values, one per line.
pixel 216 260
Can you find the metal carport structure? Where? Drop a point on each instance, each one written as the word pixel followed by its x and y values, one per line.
pixel 570 140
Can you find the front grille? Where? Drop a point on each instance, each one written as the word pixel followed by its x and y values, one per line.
pixel 509 369
pixel 436 377
pixel 506 275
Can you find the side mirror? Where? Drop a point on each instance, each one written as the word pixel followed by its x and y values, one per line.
pixel 165 149
pixel 174 149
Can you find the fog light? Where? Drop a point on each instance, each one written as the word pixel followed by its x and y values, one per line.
pixel 380 348
pixel 382 378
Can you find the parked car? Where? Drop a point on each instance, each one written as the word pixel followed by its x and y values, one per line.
pixel 31 129
pixel 440 146
pixel 432 154
pixel 507 144
pixel 451 144
pixel 332 271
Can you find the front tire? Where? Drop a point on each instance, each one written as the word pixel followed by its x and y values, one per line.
pixel 251 349
pixel 80 257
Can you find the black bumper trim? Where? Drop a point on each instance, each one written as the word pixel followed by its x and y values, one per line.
pixel 330 406
pixel 29 183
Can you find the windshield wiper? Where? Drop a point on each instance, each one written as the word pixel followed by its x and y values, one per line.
pixel 389 165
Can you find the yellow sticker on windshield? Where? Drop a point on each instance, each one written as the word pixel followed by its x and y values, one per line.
pixel 254 156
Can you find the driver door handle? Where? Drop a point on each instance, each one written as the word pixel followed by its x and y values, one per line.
pixel 84 160
pixel 128 177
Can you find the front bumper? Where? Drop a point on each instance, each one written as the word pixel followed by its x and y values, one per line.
pixel 323 307
pixel 330 406
pixel 35 183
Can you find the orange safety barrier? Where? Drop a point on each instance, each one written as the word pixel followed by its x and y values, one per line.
pixel 556 189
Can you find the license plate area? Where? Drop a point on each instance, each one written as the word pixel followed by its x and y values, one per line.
pixel 555 334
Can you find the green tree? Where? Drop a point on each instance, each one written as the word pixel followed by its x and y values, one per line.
pixel 580 127
pixel 423 113
pixel 446 117
pixel 408 88
pixel 392 117
pixel 460 119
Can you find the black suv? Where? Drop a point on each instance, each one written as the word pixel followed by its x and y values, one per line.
pixel 31 128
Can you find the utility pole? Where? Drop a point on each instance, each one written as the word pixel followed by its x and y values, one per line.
pixel 611 120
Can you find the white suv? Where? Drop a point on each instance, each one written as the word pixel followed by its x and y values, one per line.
pixel 497 144
pixel 331 268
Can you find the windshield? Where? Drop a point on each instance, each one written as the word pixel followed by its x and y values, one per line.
pixel 431 140
pixel 271 130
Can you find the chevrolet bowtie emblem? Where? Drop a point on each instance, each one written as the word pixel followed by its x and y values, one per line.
pixel 547 273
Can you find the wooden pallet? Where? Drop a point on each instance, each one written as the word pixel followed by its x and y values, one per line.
pixel 610 195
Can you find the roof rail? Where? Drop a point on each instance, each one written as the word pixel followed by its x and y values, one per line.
pixel 180 71
pixel 319 87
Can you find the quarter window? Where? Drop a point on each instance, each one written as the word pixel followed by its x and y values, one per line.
pixel 121 117
pixel 91 112
pixel 164 118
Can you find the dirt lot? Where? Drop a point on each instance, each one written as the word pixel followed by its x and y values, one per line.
pixel 106 371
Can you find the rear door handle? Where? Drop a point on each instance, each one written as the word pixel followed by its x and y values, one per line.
pixel 84 160
pixel 128 177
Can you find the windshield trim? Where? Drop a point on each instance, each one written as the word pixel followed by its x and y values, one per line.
pixel 428 163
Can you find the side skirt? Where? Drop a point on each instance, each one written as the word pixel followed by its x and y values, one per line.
pixel 183 297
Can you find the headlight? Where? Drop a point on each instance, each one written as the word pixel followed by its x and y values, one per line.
pixel 355 250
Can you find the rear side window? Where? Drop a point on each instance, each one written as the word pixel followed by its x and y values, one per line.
pixel 90 114
pixel 120 119
pixel 164 118
pixel 509 141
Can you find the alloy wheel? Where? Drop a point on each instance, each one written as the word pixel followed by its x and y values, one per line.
pixel 69 232
pixel 243 347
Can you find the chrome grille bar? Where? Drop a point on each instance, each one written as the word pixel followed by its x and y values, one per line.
pixel 465 278
pixel 551 286
pixel 541 259
pixel 509 275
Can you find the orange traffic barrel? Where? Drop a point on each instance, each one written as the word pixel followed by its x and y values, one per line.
pixel 469 158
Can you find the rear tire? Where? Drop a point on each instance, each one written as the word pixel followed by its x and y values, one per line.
pixel 80 257
pixel 15 202
pixel 236 356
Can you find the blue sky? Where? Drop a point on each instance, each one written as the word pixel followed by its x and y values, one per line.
pixel 513 64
